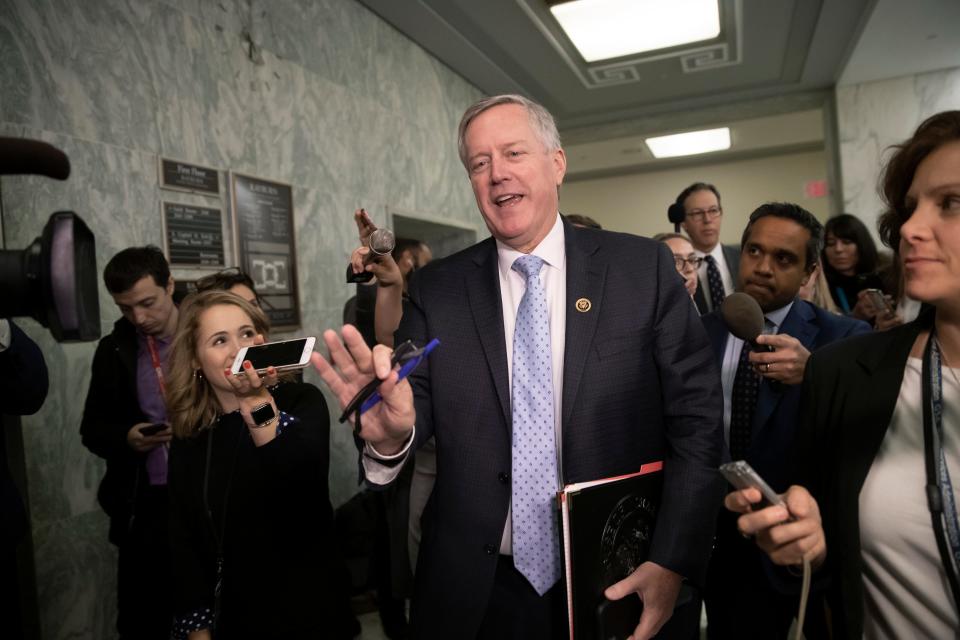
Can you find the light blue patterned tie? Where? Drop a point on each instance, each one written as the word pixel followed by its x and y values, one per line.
pixel 536 543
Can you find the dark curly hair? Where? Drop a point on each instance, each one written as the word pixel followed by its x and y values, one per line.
pixel 933 133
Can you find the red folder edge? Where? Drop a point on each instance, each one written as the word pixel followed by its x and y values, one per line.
pixel 650 467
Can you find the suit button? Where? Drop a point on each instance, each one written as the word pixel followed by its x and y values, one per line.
pixel 489 549
pixel 503 477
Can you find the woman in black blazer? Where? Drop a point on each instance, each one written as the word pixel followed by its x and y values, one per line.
pixel 869 463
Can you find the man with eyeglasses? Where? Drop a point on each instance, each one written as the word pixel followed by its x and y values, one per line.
pixel 702 217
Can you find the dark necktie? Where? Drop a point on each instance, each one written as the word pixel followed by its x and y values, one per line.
pixel 743 404
pixel 714 283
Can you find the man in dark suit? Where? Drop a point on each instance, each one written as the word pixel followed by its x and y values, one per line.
pixel 703 214
pixel 619 373
pixel 781 245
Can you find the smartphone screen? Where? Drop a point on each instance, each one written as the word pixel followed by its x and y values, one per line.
pixel 276 354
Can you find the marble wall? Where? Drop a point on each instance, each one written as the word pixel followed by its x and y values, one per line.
pixel 874 115
pixel 320 94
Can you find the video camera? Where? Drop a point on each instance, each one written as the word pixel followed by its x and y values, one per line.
pixel 54 280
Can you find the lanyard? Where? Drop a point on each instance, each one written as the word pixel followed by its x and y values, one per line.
pixel 157 367
pixel 940 498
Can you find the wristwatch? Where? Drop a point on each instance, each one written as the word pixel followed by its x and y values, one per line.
pixel 263 414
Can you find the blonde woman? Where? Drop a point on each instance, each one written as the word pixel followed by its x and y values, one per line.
pixel 250 515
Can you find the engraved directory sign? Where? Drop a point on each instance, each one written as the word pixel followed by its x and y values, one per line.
pixel 266 247
pixel 193 235
pixel 184 176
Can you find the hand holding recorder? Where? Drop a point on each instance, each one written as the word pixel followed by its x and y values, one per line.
pixel 787 528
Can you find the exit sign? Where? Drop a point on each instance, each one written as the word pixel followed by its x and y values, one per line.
pixel 815 188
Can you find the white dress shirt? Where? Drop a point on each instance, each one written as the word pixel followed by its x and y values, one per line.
pixel 512 287
pixel 731 359
pixel 722 266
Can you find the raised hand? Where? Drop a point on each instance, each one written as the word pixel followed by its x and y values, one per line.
pixel 351 365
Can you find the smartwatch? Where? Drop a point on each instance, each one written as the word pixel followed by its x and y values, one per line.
pixel 263 414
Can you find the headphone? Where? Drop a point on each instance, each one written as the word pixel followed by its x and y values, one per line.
pixel 676 214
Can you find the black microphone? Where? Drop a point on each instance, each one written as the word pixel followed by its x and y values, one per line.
pixel 744 318
pixel 20 156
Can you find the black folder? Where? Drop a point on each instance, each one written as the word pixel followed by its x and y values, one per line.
pixel 607 527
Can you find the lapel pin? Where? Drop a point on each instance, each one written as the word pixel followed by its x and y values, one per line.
pixel 583 305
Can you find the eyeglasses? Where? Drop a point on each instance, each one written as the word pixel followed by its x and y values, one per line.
pixel 682 262
pixel 701 214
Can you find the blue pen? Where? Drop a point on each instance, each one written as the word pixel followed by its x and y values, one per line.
pixel 405 370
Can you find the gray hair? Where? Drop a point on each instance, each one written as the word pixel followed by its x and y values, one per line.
pixel 540 119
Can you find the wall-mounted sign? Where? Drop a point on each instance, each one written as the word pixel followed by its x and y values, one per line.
pixel 265 244
pixel 184 176
pixel 193 235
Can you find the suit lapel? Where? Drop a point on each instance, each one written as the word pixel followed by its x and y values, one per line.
pixel 482 283
pixel 732 255
pixel 585 279
pixel 874 403
pixel 800 324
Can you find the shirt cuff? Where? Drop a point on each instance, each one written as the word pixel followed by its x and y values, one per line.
pixel 5 334
pixel 381 469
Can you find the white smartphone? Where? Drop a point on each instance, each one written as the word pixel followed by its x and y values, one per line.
pixel 285 355
pixel 742 476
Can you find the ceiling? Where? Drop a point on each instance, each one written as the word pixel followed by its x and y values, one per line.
pixel 767 75
pixel 902 38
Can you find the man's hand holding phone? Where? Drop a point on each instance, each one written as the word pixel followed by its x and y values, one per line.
pixel 144 436
pixel 350 367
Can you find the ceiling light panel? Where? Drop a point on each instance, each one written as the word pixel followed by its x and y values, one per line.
pixel 690 143
pixel 603 29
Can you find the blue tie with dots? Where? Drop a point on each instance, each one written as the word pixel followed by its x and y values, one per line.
pixel 536 542
pixel 714 283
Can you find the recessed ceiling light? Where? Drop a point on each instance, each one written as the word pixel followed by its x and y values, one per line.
pixel 602 29
pixel 690 143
